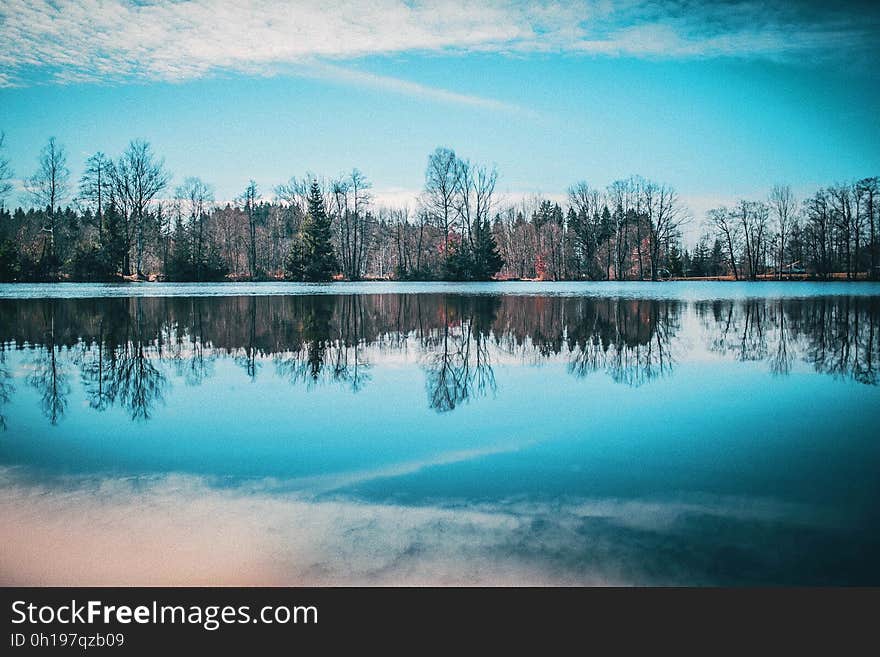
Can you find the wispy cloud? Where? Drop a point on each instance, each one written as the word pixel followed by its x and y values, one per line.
pixel 65 41
pixel 405 87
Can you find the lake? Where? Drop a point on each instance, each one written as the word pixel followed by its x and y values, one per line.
pixel 506 433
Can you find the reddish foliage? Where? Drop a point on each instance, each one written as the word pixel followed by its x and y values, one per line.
pixel 540 268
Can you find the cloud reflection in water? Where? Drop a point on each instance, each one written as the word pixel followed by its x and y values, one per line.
pixel 185 530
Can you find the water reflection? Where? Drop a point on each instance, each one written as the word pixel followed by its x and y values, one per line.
pixel 186 531
pixel 837 336
pixel 630 340
pixel 7 387
pixel 440 438
pixel 123 350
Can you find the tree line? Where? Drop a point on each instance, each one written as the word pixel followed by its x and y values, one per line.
pixel 832 231
pixel 123 218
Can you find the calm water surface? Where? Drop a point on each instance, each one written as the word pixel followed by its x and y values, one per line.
pixel 440 434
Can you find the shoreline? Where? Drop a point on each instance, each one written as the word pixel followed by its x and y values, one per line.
pixel 802 278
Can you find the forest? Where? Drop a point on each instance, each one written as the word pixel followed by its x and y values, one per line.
pixel 125 220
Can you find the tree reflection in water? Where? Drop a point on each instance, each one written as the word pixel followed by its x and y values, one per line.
pixel 48 375
pixel 126 350
pixel 7 388
pixel 629 339
pixel 834 335
pixel 459 367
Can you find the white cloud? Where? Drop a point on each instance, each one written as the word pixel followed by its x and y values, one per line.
pixel 64 41
pixel 398 198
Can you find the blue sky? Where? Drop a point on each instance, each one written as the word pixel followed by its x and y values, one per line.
pixel 720 100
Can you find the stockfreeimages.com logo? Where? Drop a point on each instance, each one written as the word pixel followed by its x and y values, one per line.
pixel 210 617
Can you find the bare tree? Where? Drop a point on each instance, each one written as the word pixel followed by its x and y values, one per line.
pixel 728 231
pixel 139 177
pixel 48 187
pixel 856 225
pixel 783 204
pixel 402 240
pixel 475 186
pixel 869 190
pixel 819 217
pixel 250 209
pixel 194 197
pixel 351 200
pixel 295 192
pixel 841 207
pixel 95 187
pixel 622 195
pixel 665 218
pixel 361 199
pixel 752 217
pixel 643 192
pixel 583 227
pixel 441 188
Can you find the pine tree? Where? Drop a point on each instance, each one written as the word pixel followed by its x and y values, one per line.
pixel 487 261
pixel 579 229
pixel 293 263
pixel 676 262
pixel 180 263
pixel 319 260
pixel 458 264
pixel 606 233
pixel 716 259
pixel 700 262
pixel 113 237
pixel 686 264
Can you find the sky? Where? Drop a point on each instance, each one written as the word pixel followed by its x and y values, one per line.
pixel 721 100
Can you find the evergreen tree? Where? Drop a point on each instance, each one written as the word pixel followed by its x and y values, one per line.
pixel 700 262
pixel 180 263
pixel 113 237
pixel 211 266
pixel 487 261
pixel 293 263
pixel 580 229
pixel 90 262
pixel 319 259
pixel 606 232
pixel 716 259
pixel 458 264
pixel 10 265
pixel 546 213
pixel 676 262
pixel 686 264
